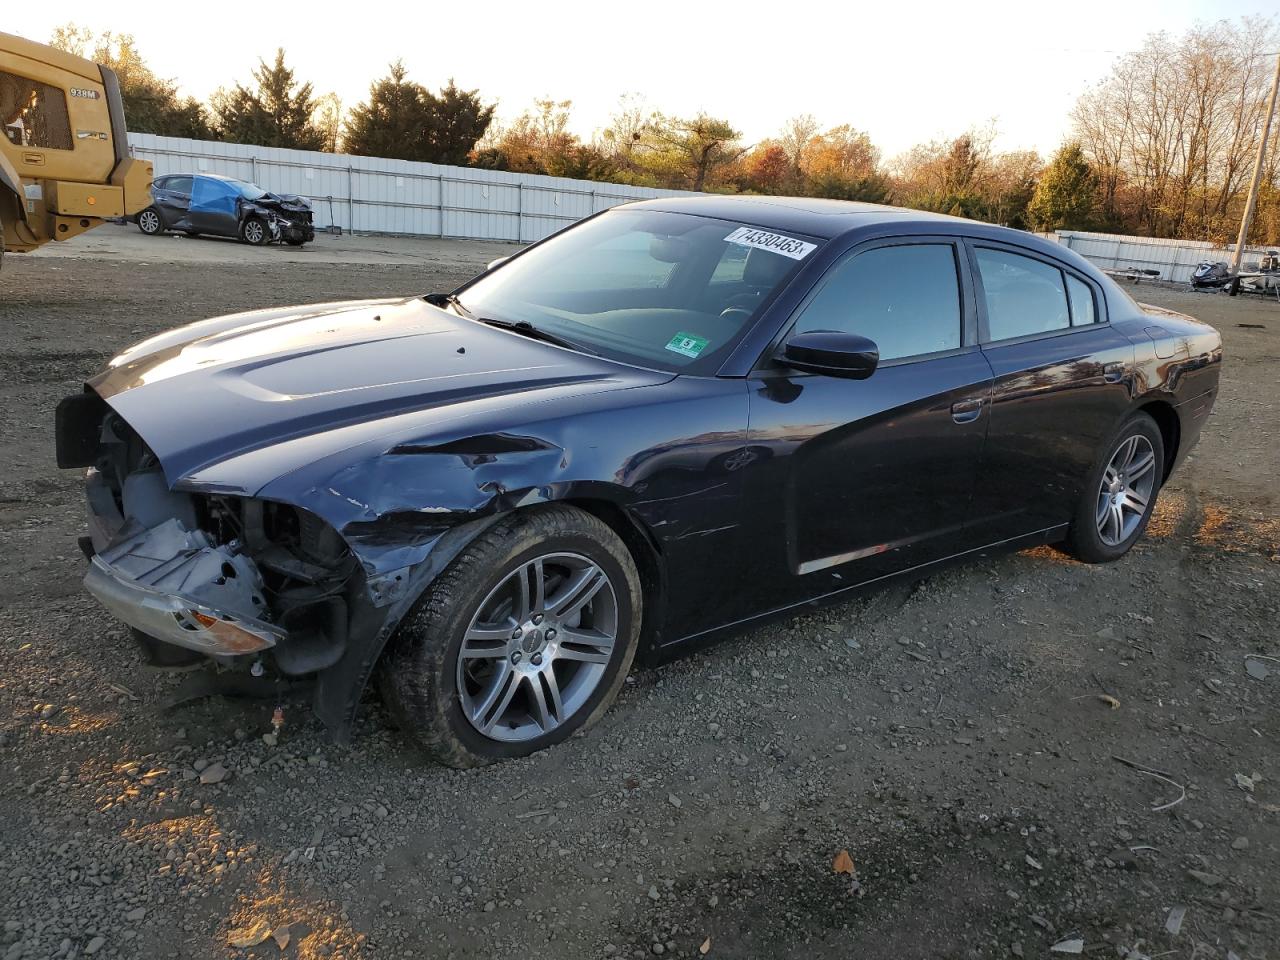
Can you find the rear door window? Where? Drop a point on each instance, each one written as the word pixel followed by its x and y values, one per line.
pixel 1023 296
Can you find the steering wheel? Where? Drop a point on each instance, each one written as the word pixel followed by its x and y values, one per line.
pixel 742 303
pixel 736 314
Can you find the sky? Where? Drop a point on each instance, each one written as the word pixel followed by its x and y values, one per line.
pixel 905 72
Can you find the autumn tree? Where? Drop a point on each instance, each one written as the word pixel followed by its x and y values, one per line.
pixel 843 164
pixel 766 169
pixel 795 139
pixel 540 141
pixel 1065 195
pixel 535 142
pixel 622 138
pixel 151 104
pixel 277 111
pixel 946 176
pixel 966 177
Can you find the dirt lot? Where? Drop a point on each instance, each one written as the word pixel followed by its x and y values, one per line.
pixel 951 736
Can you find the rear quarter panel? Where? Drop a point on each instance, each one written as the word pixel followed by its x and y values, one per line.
pixel 1178 361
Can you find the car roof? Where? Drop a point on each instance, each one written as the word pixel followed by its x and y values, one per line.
pixel 828 219
pixel 814 216
pixel 206 176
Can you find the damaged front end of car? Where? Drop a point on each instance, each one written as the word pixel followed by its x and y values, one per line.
pixel 275 490
pixel 288 217
pixel 253 584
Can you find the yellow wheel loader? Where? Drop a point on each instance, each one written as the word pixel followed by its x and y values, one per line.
pixel 64 155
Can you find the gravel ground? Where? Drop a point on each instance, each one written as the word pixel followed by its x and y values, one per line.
pixel 951 736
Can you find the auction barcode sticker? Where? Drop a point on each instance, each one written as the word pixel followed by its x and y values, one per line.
pixel 773 242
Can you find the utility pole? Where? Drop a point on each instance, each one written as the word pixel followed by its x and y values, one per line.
pixel 1247 220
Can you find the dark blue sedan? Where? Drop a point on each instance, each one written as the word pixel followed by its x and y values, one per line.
pixel 657 427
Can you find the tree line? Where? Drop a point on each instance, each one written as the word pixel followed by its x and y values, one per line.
pixel 1162 146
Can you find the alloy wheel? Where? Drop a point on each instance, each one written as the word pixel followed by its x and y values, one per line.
pixel 253 232
pixel 537 647
pixel 149 221
pixel 1124 495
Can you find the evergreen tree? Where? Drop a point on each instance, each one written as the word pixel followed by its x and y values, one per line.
pixel 1065 196
pixel 404 120
pixel 278 113
pixel 458 120
pixel 391 121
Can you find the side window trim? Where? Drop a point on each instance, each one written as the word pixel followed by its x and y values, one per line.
pixel 968 295
pixel 971 247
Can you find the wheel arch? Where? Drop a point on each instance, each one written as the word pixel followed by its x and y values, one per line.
pixel 339 687
pixel 1166 418
pixel 647 555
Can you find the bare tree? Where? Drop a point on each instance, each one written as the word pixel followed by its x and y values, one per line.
pixel 1171 131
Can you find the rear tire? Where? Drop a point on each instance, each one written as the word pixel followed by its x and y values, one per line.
pixel 149 222
pixel 1120 494
pixel 497 702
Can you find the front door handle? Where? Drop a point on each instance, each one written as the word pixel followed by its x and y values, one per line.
pixel 966 411
pixel 1113 372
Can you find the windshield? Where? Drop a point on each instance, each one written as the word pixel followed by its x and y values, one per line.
pixel 663 290
pixel 250 191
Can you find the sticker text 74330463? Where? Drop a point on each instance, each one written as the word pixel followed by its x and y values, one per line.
pixel 773 242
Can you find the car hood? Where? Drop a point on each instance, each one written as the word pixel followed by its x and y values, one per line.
pixel 203 394
pixel 283 201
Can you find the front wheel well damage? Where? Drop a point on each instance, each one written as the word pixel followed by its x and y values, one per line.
pixel 645 552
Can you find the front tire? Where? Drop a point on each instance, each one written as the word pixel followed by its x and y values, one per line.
pixel 255 231
pixel 524 639
pixel 1120 494
pixel 149 222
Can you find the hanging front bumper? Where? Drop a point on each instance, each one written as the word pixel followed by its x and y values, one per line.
pixel 175 586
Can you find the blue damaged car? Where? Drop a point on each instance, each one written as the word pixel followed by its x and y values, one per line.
pixel 207 204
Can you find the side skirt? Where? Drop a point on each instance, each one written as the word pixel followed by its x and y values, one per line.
pixel 684 645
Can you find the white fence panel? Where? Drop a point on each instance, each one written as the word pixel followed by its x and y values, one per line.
pixel 1175 259
pixel 378 195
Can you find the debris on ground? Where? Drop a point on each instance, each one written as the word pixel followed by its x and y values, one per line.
pixel 250 936
pixel 1166 778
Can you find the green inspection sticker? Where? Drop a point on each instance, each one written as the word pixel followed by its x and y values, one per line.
pixel 687 344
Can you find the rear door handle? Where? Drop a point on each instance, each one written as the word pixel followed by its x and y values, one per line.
pixel 1113 372
pixel 966 411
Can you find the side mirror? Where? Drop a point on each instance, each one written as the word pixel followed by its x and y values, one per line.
pixel 494 264
pixel 832 353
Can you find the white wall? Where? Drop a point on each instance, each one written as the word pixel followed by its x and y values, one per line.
pixel 1175 259
pixel 375 195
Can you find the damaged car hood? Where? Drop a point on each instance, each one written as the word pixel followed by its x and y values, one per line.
pixel 219 389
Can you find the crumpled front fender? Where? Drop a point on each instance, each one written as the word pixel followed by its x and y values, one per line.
pixel 406 515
